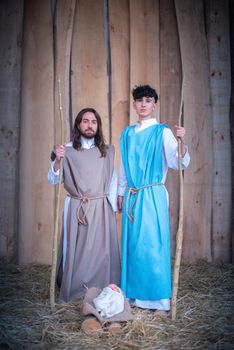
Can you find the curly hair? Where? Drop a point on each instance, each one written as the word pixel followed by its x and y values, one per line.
pixel 98 138
pixel 144 91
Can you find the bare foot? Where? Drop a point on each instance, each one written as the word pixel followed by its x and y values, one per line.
pixel 91 325
pixel 114 328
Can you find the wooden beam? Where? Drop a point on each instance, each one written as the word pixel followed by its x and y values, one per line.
pixel 198 123
pixel 65 11
pixel 231 15
pixel 119 41
pixel 220 88
pixel 120 73
pixel 11 31
pixel 170 87
pixel 37 122
pixel 144 47
pixel 89 68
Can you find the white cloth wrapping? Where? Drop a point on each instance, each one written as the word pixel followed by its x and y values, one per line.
pixel 109 302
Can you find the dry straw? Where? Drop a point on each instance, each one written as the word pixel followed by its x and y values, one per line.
pixel 204 314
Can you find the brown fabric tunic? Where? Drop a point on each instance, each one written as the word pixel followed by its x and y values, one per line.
pixel 92 257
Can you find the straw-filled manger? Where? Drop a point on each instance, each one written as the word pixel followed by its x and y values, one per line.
pixel 205 314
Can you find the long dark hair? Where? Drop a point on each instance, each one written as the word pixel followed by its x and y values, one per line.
pixel 98 138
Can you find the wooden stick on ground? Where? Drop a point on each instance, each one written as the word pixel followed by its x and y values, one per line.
pixel 56 222
pixel 179 235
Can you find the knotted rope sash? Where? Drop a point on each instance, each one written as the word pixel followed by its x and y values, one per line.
pixel 133 191
pixel 82 220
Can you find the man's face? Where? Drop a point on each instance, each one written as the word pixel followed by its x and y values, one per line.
pixel 145 107
pixel 88 126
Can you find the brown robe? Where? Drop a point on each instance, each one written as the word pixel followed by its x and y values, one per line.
pixel 92 256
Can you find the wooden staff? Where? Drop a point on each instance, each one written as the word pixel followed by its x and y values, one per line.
pixel 179 235
pixel 56 222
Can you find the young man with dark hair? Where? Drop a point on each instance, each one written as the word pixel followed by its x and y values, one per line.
pixel 148 149
pixel 89 252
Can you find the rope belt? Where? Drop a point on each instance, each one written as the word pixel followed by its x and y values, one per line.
pixel 133 191
pixel 85 200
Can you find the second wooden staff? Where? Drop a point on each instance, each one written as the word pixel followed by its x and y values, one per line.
pixel 57 209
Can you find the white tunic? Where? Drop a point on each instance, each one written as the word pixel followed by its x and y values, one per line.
pixel 170 160
pixel 53 179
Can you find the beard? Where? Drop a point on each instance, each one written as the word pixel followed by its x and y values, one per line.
pixel 88 134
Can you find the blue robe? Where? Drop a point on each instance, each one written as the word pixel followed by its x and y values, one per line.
pixel 146 263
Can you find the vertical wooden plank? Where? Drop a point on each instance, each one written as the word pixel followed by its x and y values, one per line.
pixel 120 73
pixel 37 115
pixel 11 27
pixel 198 122
pixel 65 11
pixel 220 85
pixel 89 69
pixel 119 41
pixel 231 16
pixel 144 46
pixel 63 25
pixel 170 87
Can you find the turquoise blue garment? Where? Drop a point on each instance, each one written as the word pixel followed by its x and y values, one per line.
pixel 146 265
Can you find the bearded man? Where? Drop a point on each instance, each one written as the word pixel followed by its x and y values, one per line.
pixel 89 252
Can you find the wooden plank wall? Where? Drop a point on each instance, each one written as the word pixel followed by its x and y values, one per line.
pixel 198 122
pixel 89 61
pixel 101 49
pixel 144 47
pixel 120 57
pixel 36 139
pixel 220 89
pixel 63 25
pixel 170 82
pixel 63 32
pixel 120 85
pixel 11 16
pixel 232 116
